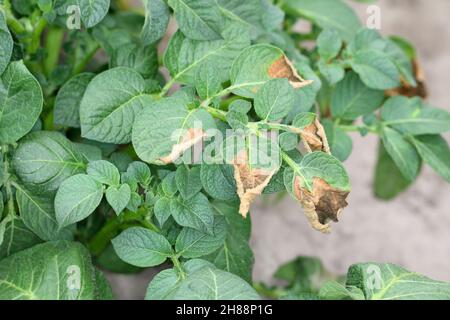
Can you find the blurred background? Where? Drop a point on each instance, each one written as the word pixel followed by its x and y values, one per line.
pixel 413 230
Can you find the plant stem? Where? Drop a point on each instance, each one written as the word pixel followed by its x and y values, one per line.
pixel 356 128
pixel 87 58
pixel 177 266
pixel 6 177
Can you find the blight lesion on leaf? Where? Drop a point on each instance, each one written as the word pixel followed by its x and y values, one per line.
pixel 283 68
pixel 322 205
pixel 409 90
pixel 314 137
pixel 250 182
pixel 191 137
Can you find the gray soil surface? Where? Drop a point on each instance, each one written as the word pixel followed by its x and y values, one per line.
pixel 413 230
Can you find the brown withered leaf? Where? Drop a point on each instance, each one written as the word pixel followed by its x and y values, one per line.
pixel 190 138
pixel 409 91
pixel 283 68
pixel 250 182
pixel 321 205
pixel 314 137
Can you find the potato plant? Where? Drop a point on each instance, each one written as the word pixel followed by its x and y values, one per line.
pixel 135 136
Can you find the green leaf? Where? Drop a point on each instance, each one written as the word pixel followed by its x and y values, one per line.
pixel 16 237
pixel 388 180
pixel 235 255
pixel 376 70
pixel 256 65
pixel 327 14
pixel 333 73
pixel 20 102
pixel 51 271
pixel 43 160
pixel 157 17
pixel 38 214
pixel 413 117
pixel 435 152
pixel 93 11
pixel 391 282
pixel 118 198
pixel 210 283
pixel 237 120
pixel 140 171
pixel 104 172
pixel 207 80
pixel 192 243
pixel 198 19
pixel 402 152
pixel 6 43
pixel 165 129
pixel 188 181
pixel 329 44
pixel 165 284
pixel 274 100
pixel 352 98
pixel 185 56
pixel 143 59
pixel 401 60
pixel 68 100
pixel 218 181
pixel 162 210
pixel 341 144
pixel 332 290
pixel 135 202
pixel 249 14
pixel 76 199
pixel 110 104
pixel 169 184
pixel 195 213
pixel 142 247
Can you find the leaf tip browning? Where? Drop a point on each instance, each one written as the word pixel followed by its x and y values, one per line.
pixel 191 137
pixel 322 205
pixel 283 68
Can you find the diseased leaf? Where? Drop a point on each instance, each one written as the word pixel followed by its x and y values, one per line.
pixel 321 184
pixel 44 159
pixel 142 247
pixel 110 104
pixel 20 102
pixel 166 129
pixel 68 100
pixel 76 199
pixel 259 63
pixel 435 152
pixel 312 132
pixel 157 17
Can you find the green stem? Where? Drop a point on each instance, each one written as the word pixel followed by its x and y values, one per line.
pixel 356 128
pixel 8 188
pixel 167 87
pixel 15 25
pixel 271 293
pixel 87 58
pixel 36 36
pixel 53 43
pixel 177 266
pixel 216 113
